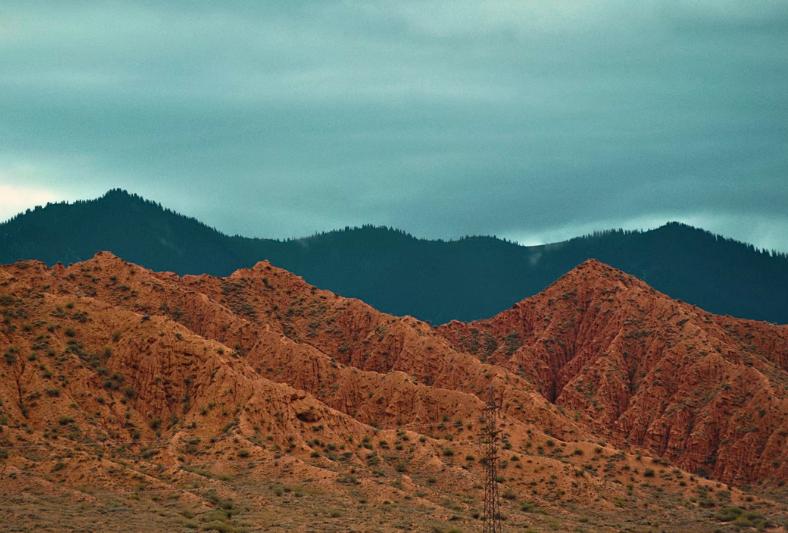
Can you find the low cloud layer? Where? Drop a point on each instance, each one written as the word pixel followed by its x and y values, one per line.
pixel 531 120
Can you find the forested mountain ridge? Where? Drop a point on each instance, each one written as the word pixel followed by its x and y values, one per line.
pixel 435 280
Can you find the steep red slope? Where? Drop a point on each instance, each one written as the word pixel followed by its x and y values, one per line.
pixel 336 348
pixel 93 392
pixel 706 392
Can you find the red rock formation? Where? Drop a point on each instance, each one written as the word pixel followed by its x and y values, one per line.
pixel 106 362
pixel 705 392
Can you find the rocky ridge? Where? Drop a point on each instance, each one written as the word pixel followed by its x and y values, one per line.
pixel 227 397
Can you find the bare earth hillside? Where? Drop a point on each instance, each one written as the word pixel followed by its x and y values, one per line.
pixel 707 393
pixel 133 400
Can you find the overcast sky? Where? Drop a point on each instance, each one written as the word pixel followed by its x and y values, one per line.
pixel 531 120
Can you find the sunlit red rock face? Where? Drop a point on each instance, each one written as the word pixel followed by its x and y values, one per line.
pixel 116 375
pixel 706 392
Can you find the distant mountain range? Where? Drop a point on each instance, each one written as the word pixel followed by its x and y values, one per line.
pixel 434 280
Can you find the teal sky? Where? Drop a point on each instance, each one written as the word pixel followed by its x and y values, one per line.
pixel 535 121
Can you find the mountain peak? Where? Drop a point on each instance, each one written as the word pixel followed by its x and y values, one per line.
pixel 264 264
pixel 595 273
pixel 122 195
pixel 677 224
pixel 117 192
pixel 105 257
pixel 595 265
pixel 629 358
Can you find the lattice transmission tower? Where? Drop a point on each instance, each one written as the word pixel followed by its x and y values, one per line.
pixel 489 442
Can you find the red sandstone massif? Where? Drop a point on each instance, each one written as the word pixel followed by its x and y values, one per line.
pixel 139 401
pixel 703 391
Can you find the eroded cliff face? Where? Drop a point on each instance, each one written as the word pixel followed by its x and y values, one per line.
pixel 705 392
pixel 115 373
pixel 341 350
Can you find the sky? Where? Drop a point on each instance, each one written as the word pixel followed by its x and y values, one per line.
pixel 531 120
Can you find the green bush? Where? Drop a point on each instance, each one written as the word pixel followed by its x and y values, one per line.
pixel 729 514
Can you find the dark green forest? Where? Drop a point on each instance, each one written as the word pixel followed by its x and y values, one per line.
pixel 435 280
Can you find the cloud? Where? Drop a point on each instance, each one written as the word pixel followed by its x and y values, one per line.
pixel 15 198
pixel 537 119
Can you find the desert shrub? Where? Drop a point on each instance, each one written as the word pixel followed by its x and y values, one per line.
pixel 729 514
pixel 513 342
pixel 10 355
pixel 221 527
pixel 529 507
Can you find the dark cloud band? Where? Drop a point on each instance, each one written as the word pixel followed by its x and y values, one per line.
pixel 526 119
